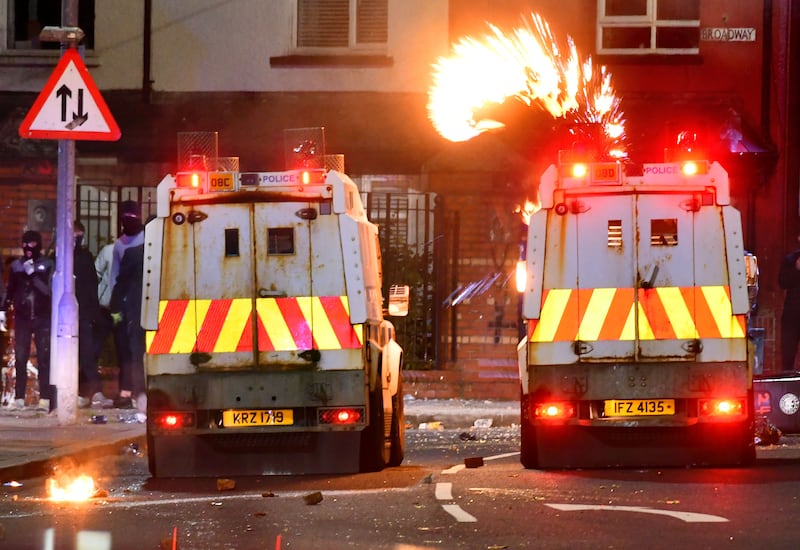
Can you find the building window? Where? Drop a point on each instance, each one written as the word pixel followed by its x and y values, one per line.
pixel 640 27
pixel 26 19
pixel 342 24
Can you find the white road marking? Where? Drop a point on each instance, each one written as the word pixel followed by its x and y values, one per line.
pixel 444 491
pixel 460 515
pixel 689 517
pixel 453 469
pixel 458 467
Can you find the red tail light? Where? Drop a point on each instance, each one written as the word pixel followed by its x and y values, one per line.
pixel 555 410
pixel 341 415
pixel 722 407
pixel 173 420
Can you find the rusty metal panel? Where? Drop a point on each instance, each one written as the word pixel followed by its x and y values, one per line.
pixel 283 272
pixel 199 273
pixel 665 260
pixel 606 249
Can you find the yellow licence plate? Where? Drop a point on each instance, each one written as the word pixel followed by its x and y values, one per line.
pixel 273 417
pixel 639 407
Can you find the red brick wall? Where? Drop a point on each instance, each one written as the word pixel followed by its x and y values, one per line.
pixel 14 197
pixel 487 318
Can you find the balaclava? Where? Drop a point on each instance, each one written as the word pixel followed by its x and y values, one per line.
pixel 32 244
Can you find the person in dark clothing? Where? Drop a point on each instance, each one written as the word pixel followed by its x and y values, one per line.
pixel 30 294
pixel 789 280
pixel 126 305
pixel 89 384
pixel 132 235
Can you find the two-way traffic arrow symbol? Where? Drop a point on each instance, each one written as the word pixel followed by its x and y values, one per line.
pixel 64 93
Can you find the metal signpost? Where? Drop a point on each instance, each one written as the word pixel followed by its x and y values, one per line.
pixel 68 108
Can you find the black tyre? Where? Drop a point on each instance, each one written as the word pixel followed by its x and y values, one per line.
pixel 528 452
pixel 397 436
pixel 151 456
pixel 373 444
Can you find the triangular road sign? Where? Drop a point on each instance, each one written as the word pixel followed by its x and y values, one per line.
pixel 70 106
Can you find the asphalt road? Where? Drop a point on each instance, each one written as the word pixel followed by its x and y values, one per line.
pixel 433 500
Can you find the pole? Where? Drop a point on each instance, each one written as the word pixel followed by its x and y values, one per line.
pixel 64 324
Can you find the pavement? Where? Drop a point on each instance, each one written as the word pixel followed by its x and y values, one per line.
pixel 32 441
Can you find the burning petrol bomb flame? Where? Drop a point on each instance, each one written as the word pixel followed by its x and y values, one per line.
pixel 73 489
pixel 529 66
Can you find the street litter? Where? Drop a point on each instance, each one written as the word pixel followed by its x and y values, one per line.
pixel 313 498
pixel 431 426
pixel 473 462
pixel 483 423
pixel 224 484
pixel 766 432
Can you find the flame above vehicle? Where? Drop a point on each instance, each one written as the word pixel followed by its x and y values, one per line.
pixel 526 65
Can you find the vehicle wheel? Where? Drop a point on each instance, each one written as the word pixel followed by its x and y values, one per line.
pixel 397 436
pixel 529 454
pixel 151 456
pixel 373 444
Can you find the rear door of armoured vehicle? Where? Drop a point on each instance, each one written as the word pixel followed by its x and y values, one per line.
pixel 667 294
pixel 206 289
pixel 605 313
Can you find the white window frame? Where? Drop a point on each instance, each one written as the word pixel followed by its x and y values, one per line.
pixel 10 55
pixel 352 46
pixel 649 20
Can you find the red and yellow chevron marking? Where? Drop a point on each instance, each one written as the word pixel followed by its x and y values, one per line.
pixel 283 324
pixel 667 313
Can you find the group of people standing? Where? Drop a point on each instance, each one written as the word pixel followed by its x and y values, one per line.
pixel 108 290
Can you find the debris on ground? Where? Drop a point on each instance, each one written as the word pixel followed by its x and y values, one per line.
pixel 431 426
pixel 225 484
pixel 473 462
pixel 312 498
pixel 766 432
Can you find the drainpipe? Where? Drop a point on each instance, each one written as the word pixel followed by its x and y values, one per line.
pixel 147 83
pixel 766 69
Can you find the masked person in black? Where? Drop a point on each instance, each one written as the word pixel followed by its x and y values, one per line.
pixel 132 236
pixel 29 292
pixel 89 384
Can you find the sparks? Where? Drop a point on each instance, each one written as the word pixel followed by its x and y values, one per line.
pixel 526 65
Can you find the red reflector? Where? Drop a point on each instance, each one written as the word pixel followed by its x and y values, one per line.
pixel 343 415
pixel 173 420
pixel 721 407
pixel 554 410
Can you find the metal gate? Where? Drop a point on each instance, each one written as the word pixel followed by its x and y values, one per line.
pixel 97 208
pixel 418 243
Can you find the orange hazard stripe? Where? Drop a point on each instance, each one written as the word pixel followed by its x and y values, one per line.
pixel 607 314
pixel 283 324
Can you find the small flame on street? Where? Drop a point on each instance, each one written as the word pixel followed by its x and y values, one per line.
pixel 529 66
pixel 73 489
